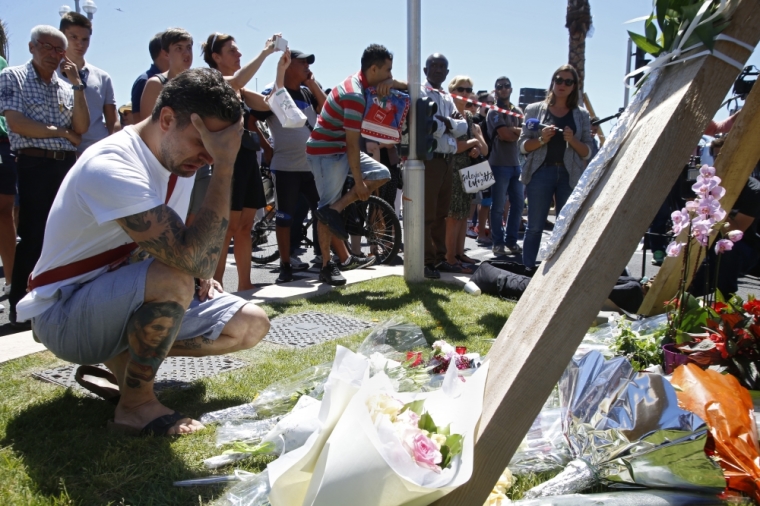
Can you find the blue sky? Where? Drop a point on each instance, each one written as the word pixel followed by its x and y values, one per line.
pixel 525 40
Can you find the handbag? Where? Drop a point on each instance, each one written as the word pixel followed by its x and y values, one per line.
pixel 284 107
pixel 476 177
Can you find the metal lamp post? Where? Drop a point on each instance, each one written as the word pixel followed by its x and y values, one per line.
pixel 414 169
pixel 89 7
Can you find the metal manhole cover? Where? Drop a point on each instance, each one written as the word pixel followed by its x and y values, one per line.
pixel 174 372
pixel 310 328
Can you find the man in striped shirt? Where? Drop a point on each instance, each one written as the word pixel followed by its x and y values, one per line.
pixel 333 150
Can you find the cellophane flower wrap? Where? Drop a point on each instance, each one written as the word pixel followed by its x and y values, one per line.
pixel 374 461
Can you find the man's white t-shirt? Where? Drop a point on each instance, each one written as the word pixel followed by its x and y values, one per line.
pixel 116 177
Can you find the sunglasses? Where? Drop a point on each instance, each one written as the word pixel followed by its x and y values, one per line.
pixel 567 82
pixel 49 47
pixel 461 89
pixel 470 105
pixel 503 86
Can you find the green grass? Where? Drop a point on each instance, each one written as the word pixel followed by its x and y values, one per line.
pixel 54 448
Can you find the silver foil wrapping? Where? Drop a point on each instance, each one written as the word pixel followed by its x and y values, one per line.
pixel 625 428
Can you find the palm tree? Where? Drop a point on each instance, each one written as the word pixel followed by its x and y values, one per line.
pixel 578 22
pixel 3 39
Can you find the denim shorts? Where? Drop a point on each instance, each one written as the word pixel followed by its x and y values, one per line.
pixel 330 173
pixel 88 323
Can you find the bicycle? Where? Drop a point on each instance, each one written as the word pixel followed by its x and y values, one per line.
pixel 374 220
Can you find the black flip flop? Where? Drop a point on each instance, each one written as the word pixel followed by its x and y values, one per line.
pixel 158 427
pixel 101 382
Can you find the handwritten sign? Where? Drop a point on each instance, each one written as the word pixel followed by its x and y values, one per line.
pixel 476 177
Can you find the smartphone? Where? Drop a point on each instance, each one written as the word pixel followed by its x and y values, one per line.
pixel 280 44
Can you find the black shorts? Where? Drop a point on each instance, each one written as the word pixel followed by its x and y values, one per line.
pixel 288 186
pixel 7 169
pixel 247 188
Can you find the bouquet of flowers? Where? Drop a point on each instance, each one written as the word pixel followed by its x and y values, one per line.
pixel 731 338
pixel 383 447
pixel 427 444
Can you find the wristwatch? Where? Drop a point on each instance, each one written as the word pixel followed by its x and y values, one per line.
pixel 79 87
pixel 541 140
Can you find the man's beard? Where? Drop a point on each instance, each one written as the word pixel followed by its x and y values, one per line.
pixel 173 163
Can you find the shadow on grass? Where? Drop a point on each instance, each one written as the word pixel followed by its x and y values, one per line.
pixel 64 443
pixel 429 294
pixel 493 322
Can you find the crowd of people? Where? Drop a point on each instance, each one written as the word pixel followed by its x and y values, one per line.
pixel 125 215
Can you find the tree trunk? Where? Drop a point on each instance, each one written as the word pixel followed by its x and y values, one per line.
pixel 578 22
pixel 3 39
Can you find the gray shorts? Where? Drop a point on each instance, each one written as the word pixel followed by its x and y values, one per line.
pixel 330 173
pixel 88 323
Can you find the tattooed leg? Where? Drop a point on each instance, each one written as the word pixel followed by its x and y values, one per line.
pixel 151 331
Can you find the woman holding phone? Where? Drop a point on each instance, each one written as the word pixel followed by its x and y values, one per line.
pixel 555 155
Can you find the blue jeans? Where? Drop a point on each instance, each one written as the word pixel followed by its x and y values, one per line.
pixel 507 183
pixel 548 182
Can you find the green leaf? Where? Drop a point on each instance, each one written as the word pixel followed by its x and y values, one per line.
pixel 651 30
pixel 719 296
pixel 445 457
pixel 426 423
pixel 444 430
pixel 661 6
pixel 454 442
pixel 649 47
pixel 689 12
pixel 414 406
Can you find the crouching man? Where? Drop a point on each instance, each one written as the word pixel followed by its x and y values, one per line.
pixel 91 302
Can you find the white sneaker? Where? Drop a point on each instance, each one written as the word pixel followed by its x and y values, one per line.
pixel 6 289
pixel 296 264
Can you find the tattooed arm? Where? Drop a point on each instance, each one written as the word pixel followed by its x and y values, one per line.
pixel 194 250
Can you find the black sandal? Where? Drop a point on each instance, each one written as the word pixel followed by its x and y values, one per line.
pixel 102 384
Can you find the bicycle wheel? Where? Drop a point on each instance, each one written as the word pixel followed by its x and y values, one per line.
pixel 264 238
pixel 376 221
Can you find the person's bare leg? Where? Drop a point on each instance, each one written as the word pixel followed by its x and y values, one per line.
pixel 325 236
pixel 461 235
pixel 283 243
pixel 483 216
pixel 151 331
pixel 451 241
pixel 244 330
pixel 7 235
pixel 350 197
pixel 231 227
pixel 243 248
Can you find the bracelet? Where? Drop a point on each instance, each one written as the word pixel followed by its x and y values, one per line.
pixel 541 140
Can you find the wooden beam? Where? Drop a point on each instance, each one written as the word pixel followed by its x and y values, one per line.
pixel 545 328
pixel 736 161
pixel 590 109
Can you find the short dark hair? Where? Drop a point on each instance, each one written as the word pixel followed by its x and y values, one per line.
pixel 502 78
pixel 214 44
pixel 174 35
pixel 154 46
pixel 74 19
pixel 200 91
pixel 718 142
pixel 375 54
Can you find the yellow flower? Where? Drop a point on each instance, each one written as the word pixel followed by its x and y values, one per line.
pixel 506 480
pixel 383 404
pixel 438 439
pixel 496 499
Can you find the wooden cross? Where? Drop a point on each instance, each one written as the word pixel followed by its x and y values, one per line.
pixel 547 325
pixel 734 165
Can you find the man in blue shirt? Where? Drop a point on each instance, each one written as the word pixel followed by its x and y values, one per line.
pixel 160 64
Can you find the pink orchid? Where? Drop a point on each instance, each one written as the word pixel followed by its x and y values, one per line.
pixel 426 453
pixel 707 171
pixel 674 249
pixel 703 186
pixel 718 215
pixel 718 192
pixel 735 235
pixel 707 205
pixel 723 245
pixel 691 206
pixel 701 226
pixel 702 239
pixel 680 220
